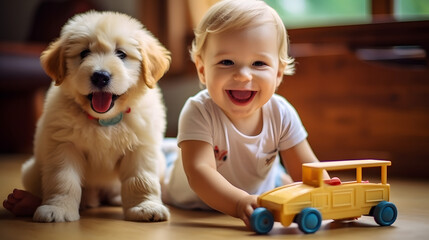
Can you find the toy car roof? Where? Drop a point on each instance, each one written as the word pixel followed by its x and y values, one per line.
pixel 349 164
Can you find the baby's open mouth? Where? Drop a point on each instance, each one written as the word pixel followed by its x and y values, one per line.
pixel 102 102
pixel 241 97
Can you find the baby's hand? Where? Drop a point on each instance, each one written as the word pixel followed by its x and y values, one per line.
pixel 245 208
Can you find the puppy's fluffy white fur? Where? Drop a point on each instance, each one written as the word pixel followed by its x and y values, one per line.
pixel 77 162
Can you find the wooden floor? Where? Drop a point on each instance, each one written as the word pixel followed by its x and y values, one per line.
pixel 410 197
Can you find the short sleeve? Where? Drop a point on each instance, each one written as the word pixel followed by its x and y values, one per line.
pixel 195 120
pixel 292 130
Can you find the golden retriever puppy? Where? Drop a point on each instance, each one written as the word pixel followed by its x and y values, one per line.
pixel 100 135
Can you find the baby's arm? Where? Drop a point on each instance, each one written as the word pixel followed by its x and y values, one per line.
pixel 200 168
pixel 294 157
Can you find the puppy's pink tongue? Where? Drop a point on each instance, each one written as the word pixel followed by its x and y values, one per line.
pixel 101 101
pixel 241 95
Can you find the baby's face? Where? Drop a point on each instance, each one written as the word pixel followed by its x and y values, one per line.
pixel 240 69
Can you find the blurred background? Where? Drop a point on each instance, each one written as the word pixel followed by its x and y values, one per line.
pixel 361 85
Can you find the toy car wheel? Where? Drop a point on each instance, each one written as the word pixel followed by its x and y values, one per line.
pixel 309 220
pixel 261 220
pixel 385 213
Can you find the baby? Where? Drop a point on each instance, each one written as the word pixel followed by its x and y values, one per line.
pixel 231 133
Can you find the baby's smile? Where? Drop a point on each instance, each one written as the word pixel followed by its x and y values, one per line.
pixel 241 97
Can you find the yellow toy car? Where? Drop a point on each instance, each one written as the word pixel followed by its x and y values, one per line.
pixel 309 202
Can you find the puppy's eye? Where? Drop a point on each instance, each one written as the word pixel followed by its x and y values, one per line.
pixel 121 54
pixel 84 53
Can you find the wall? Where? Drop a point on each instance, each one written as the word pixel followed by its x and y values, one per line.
pixel 16 16
pixel 362 92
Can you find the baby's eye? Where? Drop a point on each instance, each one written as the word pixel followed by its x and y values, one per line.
pixel 259 64
pixel 226 62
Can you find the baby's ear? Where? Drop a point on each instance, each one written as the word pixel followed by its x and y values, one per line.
pixel 280 73
pixel 53 61
pixel 199 65
pixel 155 58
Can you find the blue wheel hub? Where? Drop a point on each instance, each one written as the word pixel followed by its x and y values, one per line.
pixel 385 213
pixel 261 220
pixel 309 220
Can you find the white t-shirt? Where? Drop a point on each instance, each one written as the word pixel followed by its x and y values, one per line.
pixel 245 161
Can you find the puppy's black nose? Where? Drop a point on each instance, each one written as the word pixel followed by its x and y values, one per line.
pixel 100 78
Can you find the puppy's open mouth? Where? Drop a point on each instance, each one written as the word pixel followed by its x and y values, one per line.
pixel 102 102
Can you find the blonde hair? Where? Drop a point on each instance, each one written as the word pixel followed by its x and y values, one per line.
pixel 237 14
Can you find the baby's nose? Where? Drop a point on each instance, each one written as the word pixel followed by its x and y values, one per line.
pixel 243 74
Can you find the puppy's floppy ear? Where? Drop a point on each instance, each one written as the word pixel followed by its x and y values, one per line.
pixel 53 61
pixel 155 58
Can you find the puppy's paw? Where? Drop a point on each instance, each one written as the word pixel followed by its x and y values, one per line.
pixel 50 213
pixel 147 211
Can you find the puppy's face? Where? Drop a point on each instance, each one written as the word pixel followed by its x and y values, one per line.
pixel 104 61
